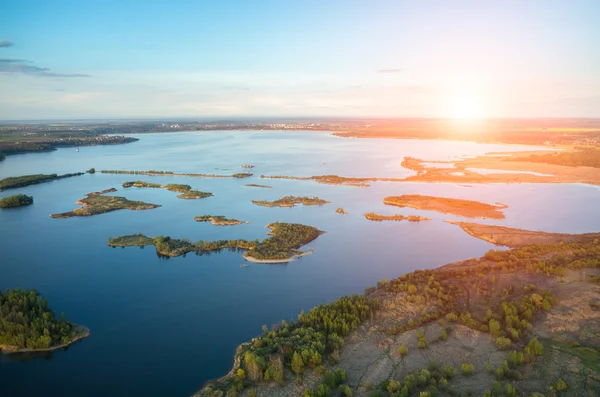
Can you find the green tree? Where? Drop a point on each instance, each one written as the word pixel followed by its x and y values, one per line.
pixel 297 364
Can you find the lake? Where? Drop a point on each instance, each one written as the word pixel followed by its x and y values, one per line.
pixel 163 327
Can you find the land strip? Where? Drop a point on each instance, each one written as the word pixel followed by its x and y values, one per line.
pixel 27 180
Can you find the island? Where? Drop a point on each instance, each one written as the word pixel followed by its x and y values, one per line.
pixel 96 203
pixel 218 220
pixel 26 180
pixel 291 201
pixel 341 211
pixel 445 205
pixel 171 173
pixel 397 217
pixel 280 247
pixel 247 166
pixel 27 324
pixel 18 200
pixel 261 186
pixel 491 326
pixel 187 193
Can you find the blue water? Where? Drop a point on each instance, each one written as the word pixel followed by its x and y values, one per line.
pixel 163 327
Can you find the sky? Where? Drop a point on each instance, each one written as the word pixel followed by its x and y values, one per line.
pixel 63 59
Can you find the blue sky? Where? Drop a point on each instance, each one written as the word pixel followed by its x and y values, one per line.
pixel 94 59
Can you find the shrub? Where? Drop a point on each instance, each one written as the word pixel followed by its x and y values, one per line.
pixel 502 342
pixel 467 369
pixel 345 391
pixel 402 350
pixel 560 385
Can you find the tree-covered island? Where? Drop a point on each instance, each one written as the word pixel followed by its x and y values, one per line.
pixel 372 216
pixel 187 193
pixel 26 180
pixel 290 201
pixel 282 245
pixel 96 203
pixel 218 220
pixel 18 200
pixel 28 324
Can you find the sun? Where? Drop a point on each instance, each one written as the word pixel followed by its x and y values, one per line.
pixel 465 106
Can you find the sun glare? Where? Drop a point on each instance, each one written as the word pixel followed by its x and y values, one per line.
pixel 465 107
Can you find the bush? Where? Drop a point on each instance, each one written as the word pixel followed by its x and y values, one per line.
pixel 560 385
pixel 502 342
pixel 402 350
pixel 467 369
pixel 345 391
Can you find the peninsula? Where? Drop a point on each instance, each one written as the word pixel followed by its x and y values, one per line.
pixel 508 327
pixel 96 203
pixel 397 217
pixel 280 247
pixel 514 238
pixel 218 220
pixel 18 200
pixel 26 180
pixel 291 201
pixel 465 208
pixel 187 193
pixel 27 324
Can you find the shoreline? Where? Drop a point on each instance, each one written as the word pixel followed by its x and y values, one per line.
pixel 82 331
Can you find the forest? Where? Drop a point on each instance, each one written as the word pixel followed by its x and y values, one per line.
pixel 26 321
pixel 310 342
pixel 495 296
pixel 26 180
pixel 18 200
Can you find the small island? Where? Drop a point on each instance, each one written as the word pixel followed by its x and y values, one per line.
pixel 460 207
pixel 26 180
pixel 247 166
pixel 397 217
pixel 261 186
pixel 171 173
pixel 341 211
pixel 281 247
pixel 27 324
pixel 18 200
pixel 290 201
pixel 96 203
pixel 218 220
pixel 187 193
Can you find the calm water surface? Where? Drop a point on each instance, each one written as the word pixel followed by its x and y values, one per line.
pixel 163 327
